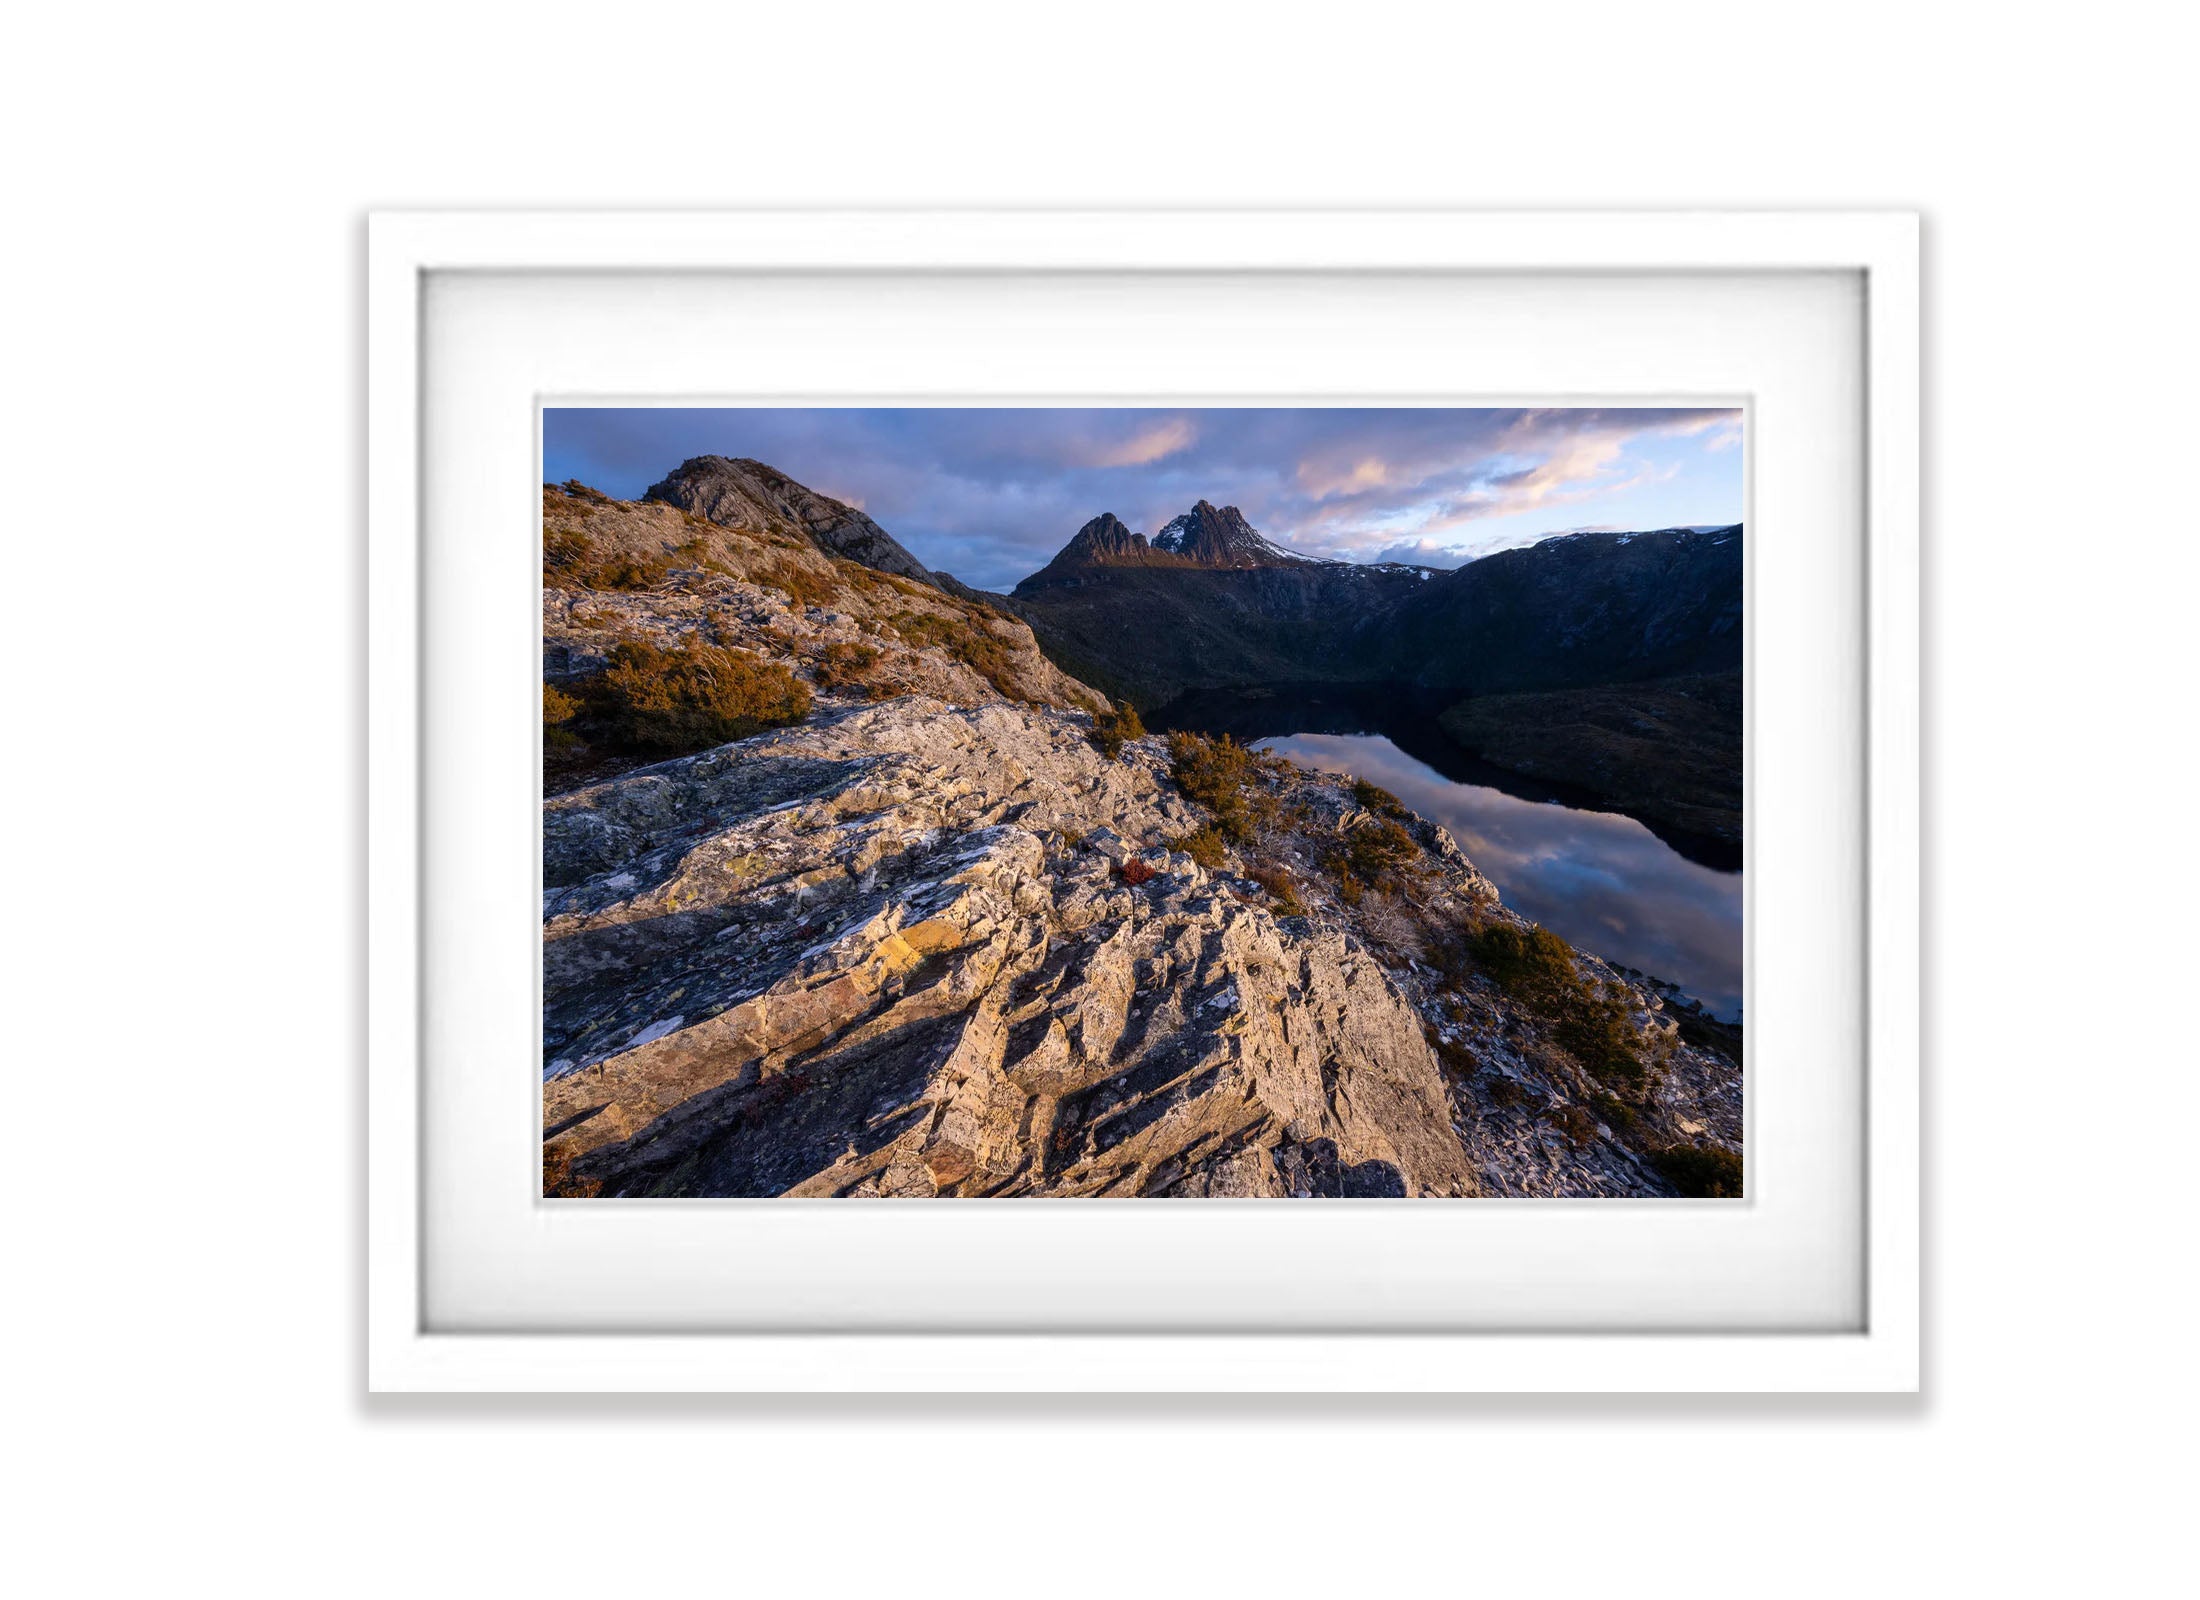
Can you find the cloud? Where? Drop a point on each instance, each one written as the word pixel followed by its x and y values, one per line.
pixel 1148 445
pixel 991 494
pixel 1323 479
pixel 1422 553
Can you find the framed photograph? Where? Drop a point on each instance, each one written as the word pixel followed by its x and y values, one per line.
pixel 1143 801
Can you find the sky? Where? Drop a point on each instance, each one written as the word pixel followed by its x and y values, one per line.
pixel 991 494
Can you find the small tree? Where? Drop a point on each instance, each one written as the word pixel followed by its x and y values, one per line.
pixel 1115 727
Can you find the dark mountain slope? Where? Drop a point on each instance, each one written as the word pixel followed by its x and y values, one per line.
pixel 1151 633
pixel 1670 748
pixel 1101 545
pixel 1574 612
pixel 1207 603
pixel 1588 609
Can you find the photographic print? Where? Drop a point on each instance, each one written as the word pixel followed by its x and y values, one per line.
pixel 1175 803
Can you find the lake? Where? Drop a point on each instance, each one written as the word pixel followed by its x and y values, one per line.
pixel 1601 881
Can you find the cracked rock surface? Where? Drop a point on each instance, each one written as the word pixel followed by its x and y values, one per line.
pixel 894 953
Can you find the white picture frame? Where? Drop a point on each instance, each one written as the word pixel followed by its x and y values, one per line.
pixel 406 1351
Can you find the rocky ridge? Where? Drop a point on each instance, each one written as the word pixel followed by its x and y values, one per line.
pixel 897 954
pixel 1222 538
pixel 1203 538
pixel 646 570
pixel 751 497
pixel 1210 603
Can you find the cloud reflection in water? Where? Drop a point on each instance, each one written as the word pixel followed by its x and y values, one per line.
pixel 1600 881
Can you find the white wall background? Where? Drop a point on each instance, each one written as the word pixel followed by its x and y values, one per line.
pixel 183 443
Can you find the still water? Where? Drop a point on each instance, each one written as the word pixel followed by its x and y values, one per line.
pixel 1601 881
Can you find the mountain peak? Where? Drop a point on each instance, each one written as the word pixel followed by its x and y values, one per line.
pixel 1104 538
pixel 736 492
pixel 1205 536
pixel 1220 538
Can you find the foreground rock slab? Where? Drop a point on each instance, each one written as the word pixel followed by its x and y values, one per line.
pixel 892 954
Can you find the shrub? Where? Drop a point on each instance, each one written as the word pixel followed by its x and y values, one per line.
pixel 692 696
pixel 1575 1124
pixel 1214 772
pixel 628 572
pixel 845 664
pixel 1502 1090
pixel 799 582
pixel 1134 872
pixel 1379 800
pixel 1599 1032
pixel 1283 886
pixel 1531 963
pixel 558 1182
pixel 1378 855
pixel 1388 923
pixel 908 586
pixel 1203 845
pixel 1618 1115
pixel 563 549
pixel 975 646
pixel 574 489
pixel 1113 727
pixel 1536 967
pixel 1210 771
pixel 558 708
pixel 567 563
pixel 1452 1056
pixel 1700 1171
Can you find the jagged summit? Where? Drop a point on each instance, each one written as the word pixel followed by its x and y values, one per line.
pixel 1221 539
pixel 1218 539
pixel 1105 538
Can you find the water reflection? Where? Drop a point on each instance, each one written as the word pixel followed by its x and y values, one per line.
pixel 1598 880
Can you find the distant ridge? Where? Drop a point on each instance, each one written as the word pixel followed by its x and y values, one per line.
pixel 1210 603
